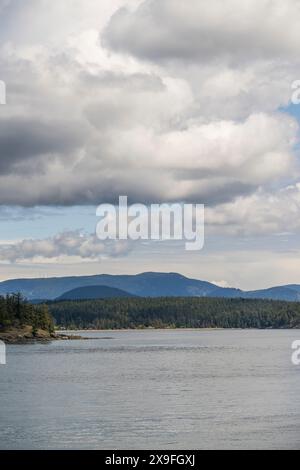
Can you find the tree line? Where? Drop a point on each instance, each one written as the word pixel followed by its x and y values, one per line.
pixel 175 313
pixel 168 312
pixel 16 312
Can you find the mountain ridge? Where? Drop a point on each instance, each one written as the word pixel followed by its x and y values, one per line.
pixel 147 284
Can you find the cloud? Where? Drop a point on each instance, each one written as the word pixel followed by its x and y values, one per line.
pixel 4 4
pixel 207 163
pixel 26 139
pixel 85 124
pixel 67 245
pixel 161 30
pixel 239 58
pixel 110 133
pixel 262 213
pixel 221 284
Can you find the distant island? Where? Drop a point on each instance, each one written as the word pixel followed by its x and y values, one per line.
pixel 151 284
pixel 176 312
pixel 104 307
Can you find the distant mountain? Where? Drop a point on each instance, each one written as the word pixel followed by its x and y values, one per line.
pixel 142 285
pixel 291 293
pixel 94 292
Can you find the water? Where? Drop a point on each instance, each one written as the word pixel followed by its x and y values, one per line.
pixel 153 389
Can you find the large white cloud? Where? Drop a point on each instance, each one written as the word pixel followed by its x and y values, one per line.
pixel 68 245
pixel 238 57
pixel 262 213
pixel 86 124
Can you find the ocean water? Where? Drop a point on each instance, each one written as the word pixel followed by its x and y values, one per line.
pixel 172 389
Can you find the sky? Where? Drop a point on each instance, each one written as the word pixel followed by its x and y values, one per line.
pixel 163 101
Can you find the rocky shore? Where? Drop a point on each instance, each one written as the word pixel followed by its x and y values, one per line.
pixel 26 335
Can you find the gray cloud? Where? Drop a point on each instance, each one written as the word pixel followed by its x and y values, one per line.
pixel 23 139
pixel 4 4
pixel 134 83
pixel 201 30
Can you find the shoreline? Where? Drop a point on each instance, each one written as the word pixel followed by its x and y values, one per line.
pixel 142 329
pixel 172 329
pixel 25 336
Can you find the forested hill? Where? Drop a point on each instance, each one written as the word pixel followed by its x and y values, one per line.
pixel 17 313
pixel 176 313
pixel 94 292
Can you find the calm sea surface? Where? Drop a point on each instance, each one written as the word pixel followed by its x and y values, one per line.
pixel 153 389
